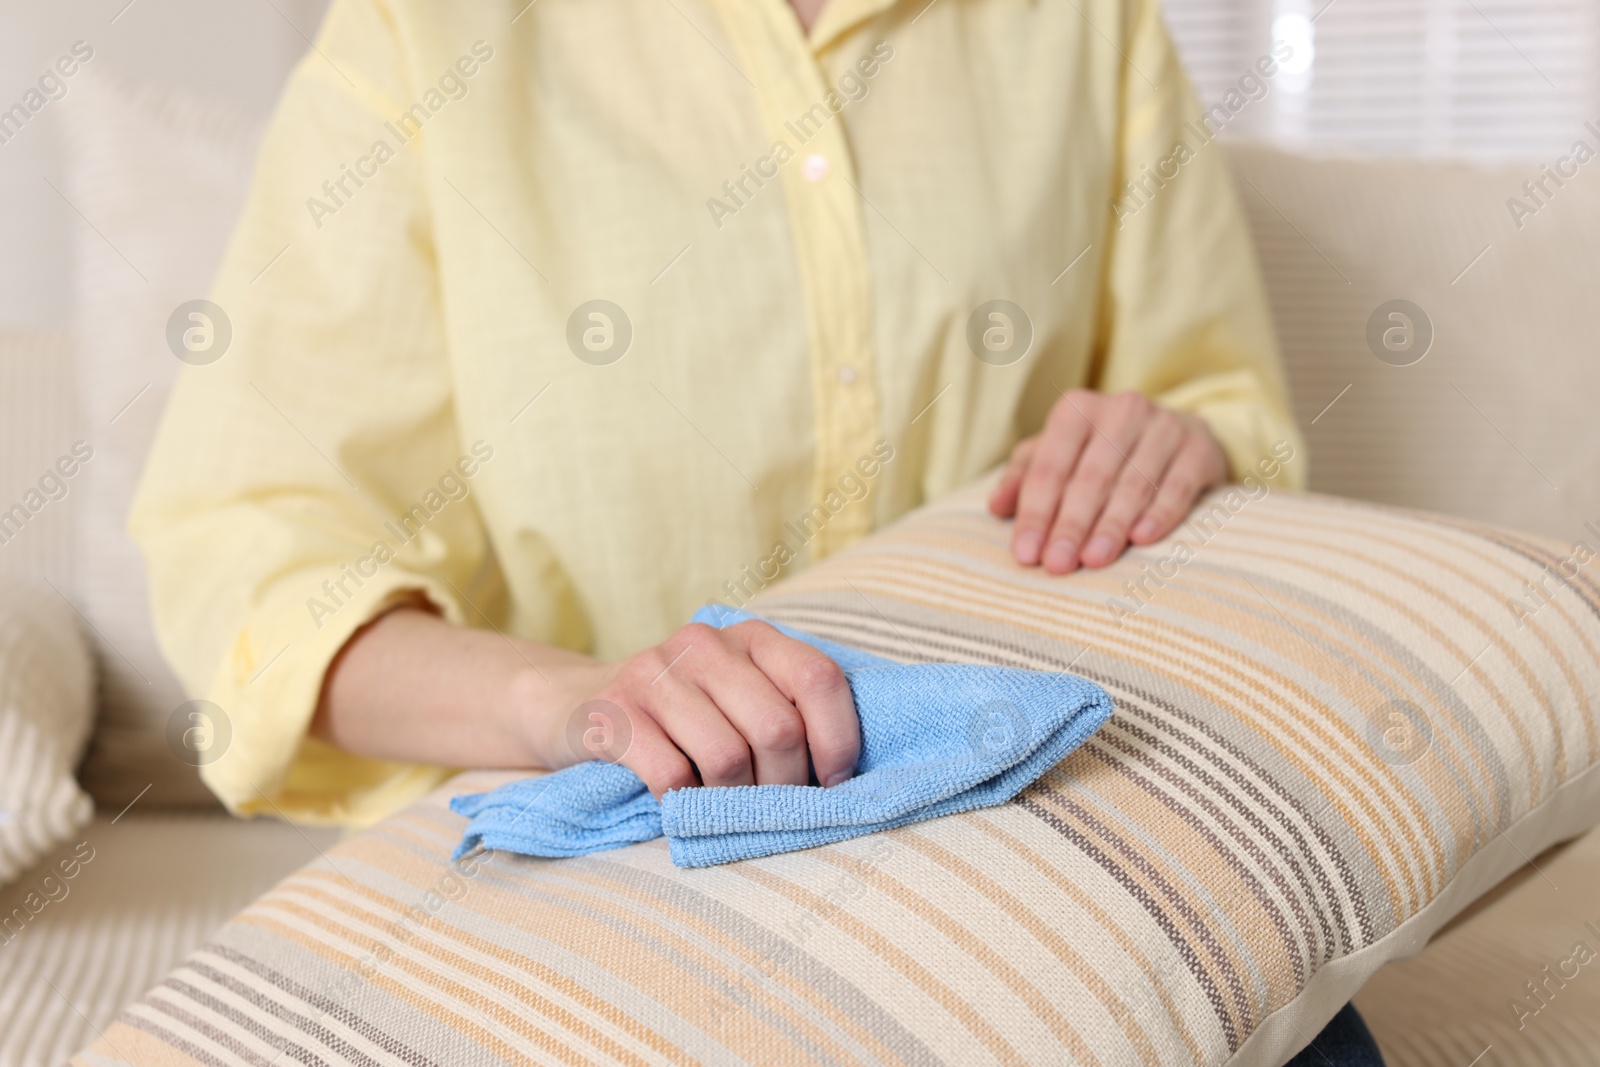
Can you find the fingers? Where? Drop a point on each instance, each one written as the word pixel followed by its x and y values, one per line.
pixel 1114 434
pixel 1106 471
pixel 678 698
pixel 1003 500
pixel 816 687
pixel 659 763
pixel 1134 489
pixel 740 683
pixel 1196 467
pixel 657 683
pixel 694 723
pixel 1045 479
pixel 744 705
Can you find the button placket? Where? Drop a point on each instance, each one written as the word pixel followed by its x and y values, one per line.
pixel 829 234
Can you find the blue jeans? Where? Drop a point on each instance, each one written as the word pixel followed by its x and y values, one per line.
pixel 1344 1042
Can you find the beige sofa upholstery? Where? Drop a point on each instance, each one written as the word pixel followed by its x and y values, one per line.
pixel 150 887
pixel 1483 426
pixel 1495 420
pixel 1456 1001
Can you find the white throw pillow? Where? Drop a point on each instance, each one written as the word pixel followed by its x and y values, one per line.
pixel 46 709
pixel 162 177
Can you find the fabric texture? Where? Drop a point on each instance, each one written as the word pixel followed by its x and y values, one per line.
pixel 1449 430
pixel 46 709
pixel 1468 991
pixel 478 298
pixel 38 424
pixel 936 739
pixel 1331 736
pixel 163 176
pixel 115 907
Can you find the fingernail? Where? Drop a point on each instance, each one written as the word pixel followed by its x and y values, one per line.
pixel 1144 529
pixel 837 777
pixel 1060 556
pixel 1099 550
pixel 1028 544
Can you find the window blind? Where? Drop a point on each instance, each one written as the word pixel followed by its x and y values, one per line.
pixel 1482 80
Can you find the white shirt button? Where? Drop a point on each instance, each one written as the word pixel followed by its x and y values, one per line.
pixel 847 375
pixel 814 167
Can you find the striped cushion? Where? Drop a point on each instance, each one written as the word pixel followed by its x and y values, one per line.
pixel 1331 735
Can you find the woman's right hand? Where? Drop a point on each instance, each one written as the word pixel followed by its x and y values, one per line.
pixel 742 705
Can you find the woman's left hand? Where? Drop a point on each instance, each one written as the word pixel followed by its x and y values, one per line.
pixel 1105 471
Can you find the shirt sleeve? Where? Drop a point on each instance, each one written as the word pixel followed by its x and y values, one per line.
pixel 1185 318
pixel 313 475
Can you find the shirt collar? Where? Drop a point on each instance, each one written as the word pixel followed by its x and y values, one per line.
pixel 840 16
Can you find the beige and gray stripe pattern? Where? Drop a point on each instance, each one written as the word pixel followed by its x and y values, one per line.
pixel 1331 734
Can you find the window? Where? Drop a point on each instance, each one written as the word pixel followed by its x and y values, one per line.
pixel 1483 80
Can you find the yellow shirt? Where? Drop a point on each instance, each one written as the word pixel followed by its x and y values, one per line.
pixel 574 316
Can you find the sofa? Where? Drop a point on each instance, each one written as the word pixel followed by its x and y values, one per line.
pixel 1485 421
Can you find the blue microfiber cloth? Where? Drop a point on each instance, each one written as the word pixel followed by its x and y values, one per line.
pixel 936 738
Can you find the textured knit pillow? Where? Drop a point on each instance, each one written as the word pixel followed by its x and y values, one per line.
pixel 1336 725
pixel 46 709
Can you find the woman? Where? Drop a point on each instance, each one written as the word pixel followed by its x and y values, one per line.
pixel 552 322
pixel 561 320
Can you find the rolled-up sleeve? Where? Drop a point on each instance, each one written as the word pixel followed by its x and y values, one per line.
pixel 1185 317
pixel 314 474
